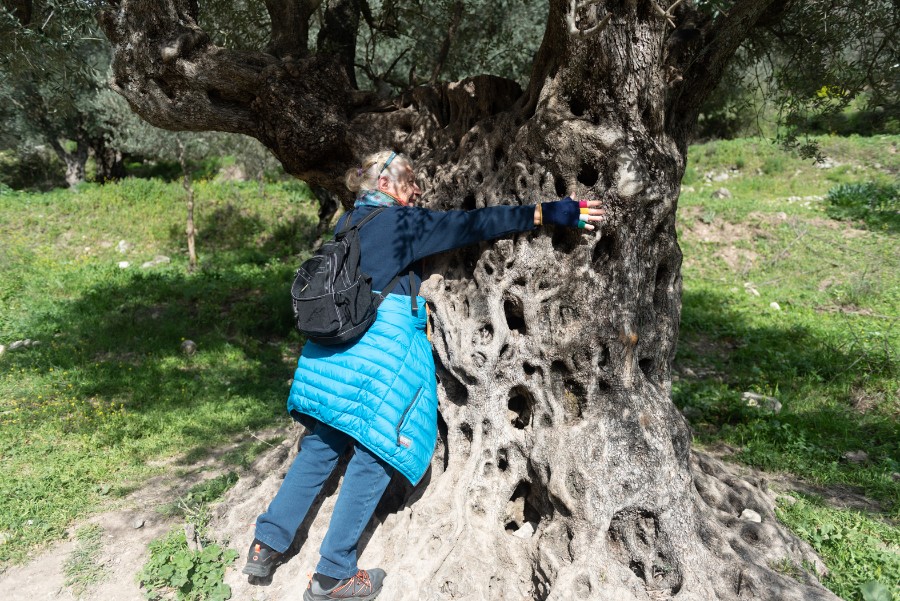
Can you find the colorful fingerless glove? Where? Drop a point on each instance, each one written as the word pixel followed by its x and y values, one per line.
pixel 567 212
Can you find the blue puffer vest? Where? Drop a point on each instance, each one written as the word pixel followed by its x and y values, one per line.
pixel 380 389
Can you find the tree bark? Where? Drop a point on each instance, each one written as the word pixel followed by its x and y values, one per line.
pixel 74 161
pixel 563 470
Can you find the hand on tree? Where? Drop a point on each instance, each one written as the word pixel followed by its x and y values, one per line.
pixel 569 213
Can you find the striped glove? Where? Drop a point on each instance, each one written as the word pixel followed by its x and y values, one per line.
pixel 567 212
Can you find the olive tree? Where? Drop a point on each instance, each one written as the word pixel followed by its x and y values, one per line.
pixel 554 348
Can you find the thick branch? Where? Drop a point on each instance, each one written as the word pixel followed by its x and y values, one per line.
pixel 337 38
pixel 702 69
pixel 172 76
pixel 290 26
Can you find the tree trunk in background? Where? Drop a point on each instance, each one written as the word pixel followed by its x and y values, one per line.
pixel 188 185
pixel 74 161
pixel 563 470
pixel 110 164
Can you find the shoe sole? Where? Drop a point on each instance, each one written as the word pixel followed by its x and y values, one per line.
pixel 308 596
pixel 256 570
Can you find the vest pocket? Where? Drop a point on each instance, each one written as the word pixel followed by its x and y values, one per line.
pixel 404 418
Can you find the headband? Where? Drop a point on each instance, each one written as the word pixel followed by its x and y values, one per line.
pixel 387 162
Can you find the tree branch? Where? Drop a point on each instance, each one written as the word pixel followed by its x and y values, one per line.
pixel 448 41
pixel 290 26
pixel 337 38
pixel 172 76
pixel 702 69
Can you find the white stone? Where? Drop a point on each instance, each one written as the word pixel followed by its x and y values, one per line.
pixel 526 530
pixel 157 260
pixel 721 193
pixel 2 348
pixel 775 306
pixel 17 345
pixel 752 399
pixel 188 347
pixel 855 456
pixel 124 264
pixel 748 515
pixel 123 247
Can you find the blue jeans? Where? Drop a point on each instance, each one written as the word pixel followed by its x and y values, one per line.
pixel 364 482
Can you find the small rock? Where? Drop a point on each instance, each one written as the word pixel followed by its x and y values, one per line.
pixel 17 345
pixel 720 177
pixel 157 260
pixel 26 343
pixel 782 215
pixel 2 348
pixel 123 247
pixel 4 537
pixel 188 347
pixel 855 456
pixel 775 306
pixel 721 193
pixel 787 499
pixel 690 372
pixel 526 530
pixel 29 522
pixel 767 403
pixel 748 515
pixel 137 523
pixel 895 476
pixel 685 189
pixel 123 264
pixel 826 163
pixel 35 343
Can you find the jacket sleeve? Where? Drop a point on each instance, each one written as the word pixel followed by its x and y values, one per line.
pixel 430 232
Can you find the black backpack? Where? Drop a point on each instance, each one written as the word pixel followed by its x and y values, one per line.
pixel 332 298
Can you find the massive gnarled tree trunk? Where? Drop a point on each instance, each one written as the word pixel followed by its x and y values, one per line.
pixel 563 470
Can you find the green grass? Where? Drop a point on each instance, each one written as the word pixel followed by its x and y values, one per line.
pixel 107 395
pixel 858 549
pixel 829 352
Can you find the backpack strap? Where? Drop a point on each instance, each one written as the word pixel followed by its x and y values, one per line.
pixel 387 289
pixel 347 227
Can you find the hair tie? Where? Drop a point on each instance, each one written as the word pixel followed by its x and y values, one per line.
pixel 359 172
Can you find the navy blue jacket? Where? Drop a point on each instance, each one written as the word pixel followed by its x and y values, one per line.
pixel 397 238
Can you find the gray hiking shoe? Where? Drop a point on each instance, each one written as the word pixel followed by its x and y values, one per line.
pixel 363 586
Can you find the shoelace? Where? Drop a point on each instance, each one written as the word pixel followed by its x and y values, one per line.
pixel 360 579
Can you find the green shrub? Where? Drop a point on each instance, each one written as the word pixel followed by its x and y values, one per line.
pixel 878 205
pixel 193 575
